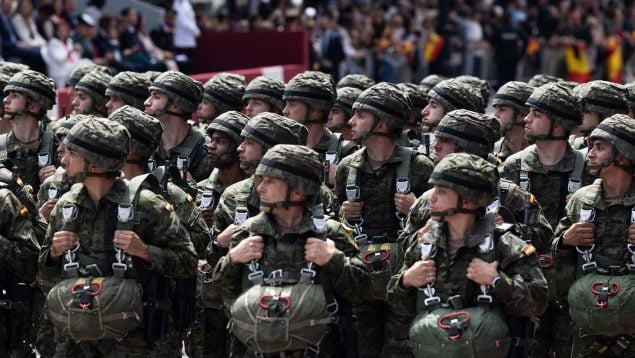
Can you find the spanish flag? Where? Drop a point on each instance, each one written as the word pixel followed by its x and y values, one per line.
pixel 614 63
pixel 433 47
pixel 577 62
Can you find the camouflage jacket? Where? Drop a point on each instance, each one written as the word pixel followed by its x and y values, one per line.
pixel 612 221
pixel 511 208
pixel 521 291
pixel 171 251
pixel 377 188
pixel 344 147
pixel 344 273
pixel 26 160
pixel 194 149
pixel 501 150
pixel 18 246
pixel 548 184
pixel 57 184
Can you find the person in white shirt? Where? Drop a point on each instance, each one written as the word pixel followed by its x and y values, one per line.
pixel 60 55
pixel 186 31
pixel 24 25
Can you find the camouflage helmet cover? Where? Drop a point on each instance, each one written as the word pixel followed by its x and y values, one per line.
pixel 82 70
pixel 180 88
pixel 145 131
pixel 230 123
pixel 297 165
pixel 266 89
pixel 474 132
pixel 95 84
pixel 387 102
pixel 430 81
pixel 101 142
pixel 603 97
pixel 619 130
pixel 472 177
pixel 631 94
pixel 131 87
pixel 226 91
pixel 478 85
pixel 558 102
pixel 312 87
pixel 11 68
pixel 418 97
pixel 514 94
pixel 453 94
pixel 346 97
pixel 66 123
pixel 270 129
pixel 540 79
pixel 34 85
pixel 358 81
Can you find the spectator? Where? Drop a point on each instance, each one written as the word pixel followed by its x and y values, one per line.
pixel 163 35
pixel 185 32
pixel 60 54
pixel 12 48
pixel 44 20
pixel 164 57
pixel 25 27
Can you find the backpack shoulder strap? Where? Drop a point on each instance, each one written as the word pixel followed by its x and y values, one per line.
pixel 578 166
pixel 4 147
pixel 402 177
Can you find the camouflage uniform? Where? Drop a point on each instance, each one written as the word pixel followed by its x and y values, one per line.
pixel 377 190
pixel 361 82
pixel 131 87
pixel 550 185
pixel 513 94
pixel 612 219
pixel 266 89
pixel 186 94
pixel 521 289
pixel 39 88
pixel 419 100
pixel 170 250
pixel 19 265
pixel 343 275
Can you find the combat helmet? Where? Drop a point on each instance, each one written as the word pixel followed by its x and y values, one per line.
pixel 472 177
pixel 181 89
pixel 453 94
pixel 145 130
pixel 225 91
pixel 358 81
pixel 387 103
pixel 82 70
pixel 560 104
pixel 131 87
pixel 266 89
pixel 101 142
pixel 602 97
pixel 35 86
pixel 231 124
pixel 95 84
pixel 314 88
pixel 472 132
pixel 619 130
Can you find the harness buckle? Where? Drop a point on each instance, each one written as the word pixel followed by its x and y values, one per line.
pixel 402 186
pixel 352 192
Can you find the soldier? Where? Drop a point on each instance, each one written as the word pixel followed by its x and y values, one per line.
pixel 599 219
pixel 127 88
pixel 464 262
pixel 263 94
pixel 359 81
pixel 91 94
pixel 145 136
pixel 551 170
pixel 28 95
pixel 239 201
pixel 224 132
pixel 511 110
pixel 342 111
pixel 222 93
pixel 412 129
pixel 19 265
pixel 309 97
pixel 97 149
pixel 599 100
pixel 480 86
pixel 284 238
pixel 173 98
pixel 376 191
pixel 475 133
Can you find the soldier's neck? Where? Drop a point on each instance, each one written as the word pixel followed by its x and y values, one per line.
pixel 316 132
pixel 230 175
pixel 615 182
pixel 379 149
pixel 459 227
pixel 26 129
pixel 174 132
pixel 515 139
pixel 288 219
pixel 131 170
pixel 97 188
pixel 551 152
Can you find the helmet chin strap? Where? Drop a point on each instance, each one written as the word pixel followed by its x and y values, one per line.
pixel 371 132
pixel 285 204
pixel 453 211
pixel 549 136
pixel 250 166
pixel 509 126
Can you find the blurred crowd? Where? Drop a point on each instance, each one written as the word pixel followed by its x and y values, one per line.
pixel 394 41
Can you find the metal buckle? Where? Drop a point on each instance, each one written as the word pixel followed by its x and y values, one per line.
pixel 455 302
pixel 574 185
pixel 240 215
pixel 125 212
pixel 69 213
pixel 361 239
pixel 207 200
pixel 43 159
pixel 403 185
pixel 96 269
pixel 119 265
pixel 493 207
pixel 352 192
pixel 587 215
pixel 524 182
pixel 432 301
pixel 319 223
pixel 152 165
pixel 484 299
pixel 71 266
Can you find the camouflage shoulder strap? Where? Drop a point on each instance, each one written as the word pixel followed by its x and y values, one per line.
pixel 402 176
pixel 575 180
